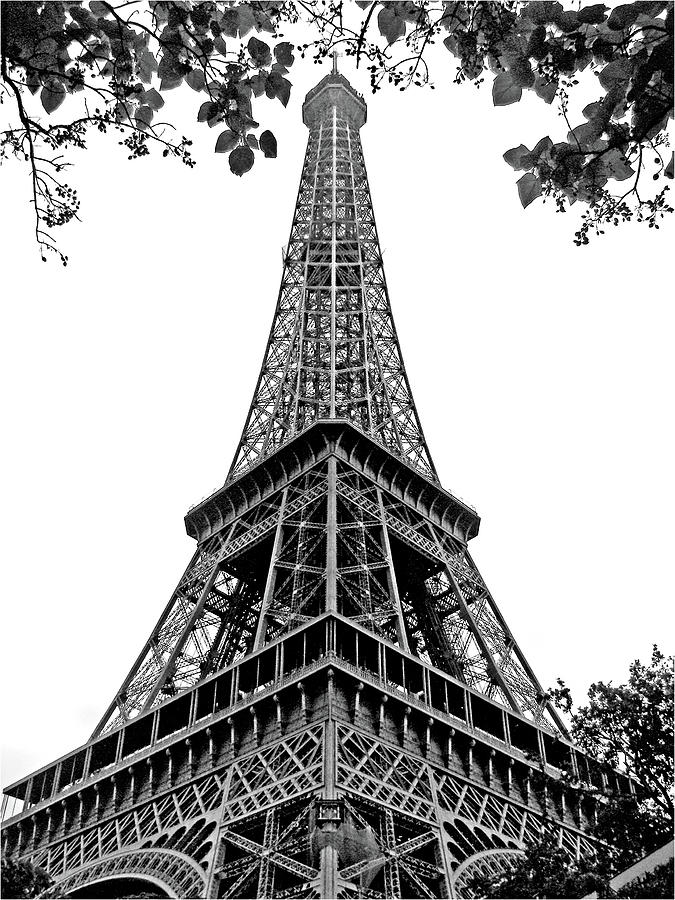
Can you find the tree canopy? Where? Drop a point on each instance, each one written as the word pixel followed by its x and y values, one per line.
pixel 115 61
pixel 630 726
pixel 22 879
pixel 627 727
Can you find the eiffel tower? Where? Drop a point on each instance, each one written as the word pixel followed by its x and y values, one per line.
pixel 331 704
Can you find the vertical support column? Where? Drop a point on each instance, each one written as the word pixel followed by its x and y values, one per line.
pixel 271 575
pixel 300 413
pixel 329 825
pixel 401 632
pixel 333 269
pixel 265 877
pixel 331 537
pixel 446 859
pixel 392 876
pixel 359 237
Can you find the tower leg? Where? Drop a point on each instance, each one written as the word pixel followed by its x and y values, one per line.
pixel 329 820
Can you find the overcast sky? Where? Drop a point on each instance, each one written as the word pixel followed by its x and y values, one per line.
pixel 542 374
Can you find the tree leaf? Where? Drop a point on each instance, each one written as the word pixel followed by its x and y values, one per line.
pixel 167 84
pixel 668 172
pixel 257 83
pixel 220 45
pixel 451 44
pixel 52 95
pixel 391 26
pixel 84 19
pixel 268 144
pixel 170 71
pixel 542 12
pixel 568 21
pixel 121 112
pixel 241 160
pixel 592 15
pixel 623 16
pixel 262 20
pixel 147 64
pixel 196 80
pixel 99 9
pixel 152 98
pixel 259 52
pixel 520 71
pixel 227 140
pixel 617 166
pixel 207 111
pixel 284 53
pixel 143 117
pixel 518 157
pixel 593 110
pixel 618 71
pixel 529 188
pixel 541 147
pixel 252 141
pixel 246 19
pixel 584 136
pixel 229 22
pixel 545 89
pixel 278 86
pixel 504 91
pixel 33 82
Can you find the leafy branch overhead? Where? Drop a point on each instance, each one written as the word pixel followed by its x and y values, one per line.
pixel 544 48
pixel 119 60
pixel 111 65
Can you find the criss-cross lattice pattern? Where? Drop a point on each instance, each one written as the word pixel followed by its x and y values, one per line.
pixel 451 618
pixel 401 859
pixel 333 352
pixel 212 616
pixel 348 546
pixel 384 773
pixel 265 855
pixel 474 819
pixel 176 818
pixel 333 539
pixel 283 771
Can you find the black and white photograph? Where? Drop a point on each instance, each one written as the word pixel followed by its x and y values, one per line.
pixel 337 460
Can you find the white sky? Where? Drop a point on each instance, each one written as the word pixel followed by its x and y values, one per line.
pixel 542 373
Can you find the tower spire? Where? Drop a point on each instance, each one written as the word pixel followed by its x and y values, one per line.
pixel 335 65
pixel 333 351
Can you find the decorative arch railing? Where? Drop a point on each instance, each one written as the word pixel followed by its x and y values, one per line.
pixel 489 862
pixel 173 872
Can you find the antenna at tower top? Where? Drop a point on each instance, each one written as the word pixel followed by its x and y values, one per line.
pixel 335 58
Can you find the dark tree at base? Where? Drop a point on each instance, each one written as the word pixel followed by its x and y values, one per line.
pixel 630 725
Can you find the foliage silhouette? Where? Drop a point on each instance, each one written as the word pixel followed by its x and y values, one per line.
pixel 22 879
pixel 630 727
pixel 118 59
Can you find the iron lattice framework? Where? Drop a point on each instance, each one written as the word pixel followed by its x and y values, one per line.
pixel 331 704
pixel 333 352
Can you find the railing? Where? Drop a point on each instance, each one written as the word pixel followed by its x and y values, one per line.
pixel 205 497
pixel 11 806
